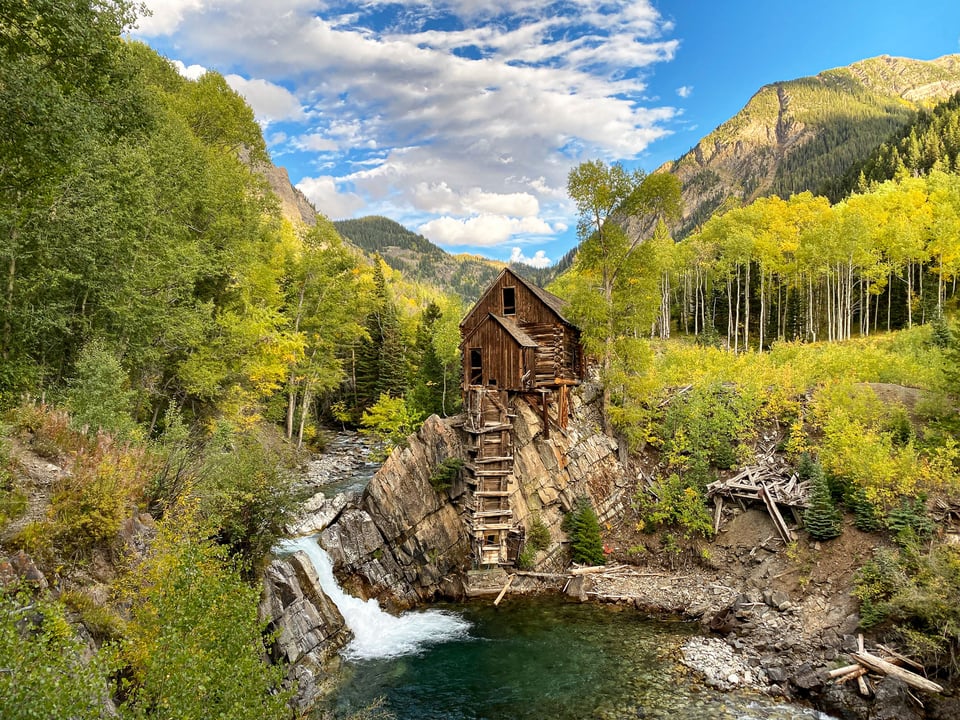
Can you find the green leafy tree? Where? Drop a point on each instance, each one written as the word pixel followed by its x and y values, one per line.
pixel 390 420
pixel 99 397
pixel 615 294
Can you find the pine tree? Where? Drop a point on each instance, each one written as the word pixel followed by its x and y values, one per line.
pixel 822 518
pixel 583 527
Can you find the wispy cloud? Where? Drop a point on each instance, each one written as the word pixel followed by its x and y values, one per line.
pixel 468 112
pixel 685 91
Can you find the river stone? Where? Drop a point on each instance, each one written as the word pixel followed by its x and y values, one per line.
pixel 317 514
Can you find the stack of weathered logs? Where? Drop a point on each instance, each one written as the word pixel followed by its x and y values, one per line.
pixel 887 662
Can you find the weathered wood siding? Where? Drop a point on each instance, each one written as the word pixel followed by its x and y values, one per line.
pixel 503 359
pixel 529 308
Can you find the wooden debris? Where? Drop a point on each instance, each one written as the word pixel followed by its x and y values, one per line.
pixel 845 670
pixel 503 592
pixel 884 667
pixel 902 658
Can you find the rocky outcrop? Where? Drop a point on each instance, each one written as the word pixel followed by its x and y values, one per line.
pixel 404 542
pixel 309 627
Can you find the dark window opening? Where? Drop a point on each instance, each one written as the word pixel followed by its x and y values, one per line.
pixel 476 366
pixel 491 539
pixel 509 301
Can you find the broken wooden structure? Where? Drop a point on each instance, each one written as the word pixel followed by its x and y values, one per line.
pixel 771 483
pixel 515 342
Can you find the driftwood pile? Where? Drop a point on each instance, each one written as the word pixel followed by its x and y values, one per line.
pixel 769 480
pixel 888 662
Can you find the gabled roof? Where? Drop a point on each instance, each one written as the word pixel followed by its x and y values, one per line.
pixel 556 304
pixel 521 338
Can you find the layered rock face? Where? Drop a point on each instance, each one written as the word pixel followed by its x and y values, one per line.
pixel 310 628
pixel 404 542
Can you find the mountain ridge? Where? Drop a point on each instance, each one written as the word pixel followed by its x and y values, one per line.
pixel 802 134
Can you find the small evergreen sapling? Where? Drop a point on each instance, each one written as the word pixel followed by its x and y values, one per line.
pixel 822 518
pixel 584 529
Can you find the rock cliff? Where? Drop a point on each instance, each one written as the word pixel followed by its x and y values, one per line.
pixel 404 542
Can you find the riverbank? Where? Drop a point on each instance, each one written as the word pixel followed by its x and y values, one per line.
pixel 775 619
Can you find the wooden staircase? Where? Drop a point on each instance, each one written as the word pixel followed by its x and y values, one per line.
pixel 489 424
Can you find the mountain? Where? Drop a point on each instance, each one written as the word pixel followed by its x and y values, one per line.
pixel 806 134
pixel 419 259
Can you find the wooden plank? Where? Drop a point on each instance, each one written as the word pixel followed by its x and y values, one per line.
pixel 778 520
pixel 887 668
pixel 503 592
pixel 717 513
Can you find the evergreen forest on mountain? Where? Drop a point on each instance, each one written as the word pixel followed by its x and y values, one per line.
pixel 173 342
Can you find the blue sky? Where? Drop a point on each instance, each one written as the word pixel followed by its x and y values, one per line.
pixel 460 119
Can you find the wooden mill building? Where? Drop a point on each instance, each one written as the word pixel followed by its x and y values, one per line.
pixel 515 342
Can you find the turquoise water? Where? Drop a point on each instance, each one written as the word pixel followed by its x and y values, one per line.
pixel 547 658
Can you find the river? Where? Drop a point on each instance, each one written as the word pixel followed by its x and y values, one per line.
pixel 528 658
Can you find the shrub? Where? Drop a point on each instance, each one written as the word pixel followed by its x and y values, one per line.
pixel 527 559
pixel 674 502
pixel 390 421
pixel 445 473
pixel 195 648
pixel 98 396
pixel 245 495
pixel 46 673
pixel 915 596
pixel 583 527
pixel 538 534
pixel 909 522
pixel 89 503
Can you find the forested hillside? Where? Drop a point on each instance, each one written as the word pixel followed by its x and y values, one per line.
pixel 804 134
pixel 419 259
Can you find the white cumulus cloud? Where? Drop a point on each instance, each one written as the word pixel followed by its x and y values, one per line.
pixel 270 102
pixel 685 91
pixel 328 198
pixel 539 259
pixel 482 230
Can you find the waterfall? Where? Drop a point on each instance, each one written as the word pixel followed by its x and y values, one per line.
pixel 377 634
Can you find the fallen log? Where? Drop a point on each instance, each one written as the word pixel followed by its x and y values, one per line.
pixel 887 668
pixel 902 658
pixel 845 670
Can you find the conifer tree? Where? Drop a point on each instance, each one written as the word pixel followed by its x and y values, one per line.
pixel 583 528
pixel 822 518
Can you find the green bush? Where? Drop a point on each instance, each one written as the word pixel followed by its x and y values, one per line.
pixel 909 522
pixel 914 596
pixel 194 648
pixel 583 527
pixel 45 671
pixel 98 397
pixel 445 473
pixel 674 502
pixel 538 534
pixel 246 496
pixel 527 559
